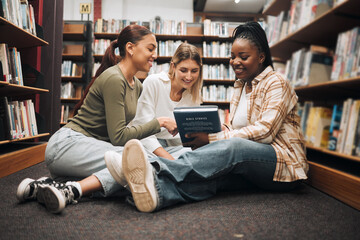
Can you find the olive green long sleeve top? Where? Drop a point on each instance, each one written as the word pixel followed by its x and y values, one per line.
pixel 109 107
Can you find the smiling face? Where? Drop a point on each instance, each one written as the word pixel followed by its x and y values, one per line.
pixel 144 53
pixel 186 73
pixel 246 59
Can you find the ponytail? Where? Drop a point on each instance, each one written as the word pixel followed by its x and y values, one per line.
pixel 131 33
pixel 109 59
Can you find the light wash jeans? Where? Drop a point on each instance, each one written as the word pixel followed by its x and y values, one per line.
pixel 70 155
pixel 232 164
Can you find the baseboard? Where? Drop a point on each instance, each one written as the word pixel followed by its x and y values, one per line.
pixel 23 156
pixel 343 186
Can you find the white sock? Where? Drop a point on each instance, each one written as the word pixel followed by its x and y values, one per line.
pixel 77 185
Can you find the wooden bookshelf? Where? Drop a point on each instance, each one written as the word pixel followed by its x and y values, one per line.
pixel 18 37
pixel 339 89
pixel 17 154
pixel 219 81
pixel 24 138
pixel 78 37
pixel 322 31
pixel 221 103
pixel 197 39
pixel 7 89
pixel 331 172
pixel 72 79
pixel 276 6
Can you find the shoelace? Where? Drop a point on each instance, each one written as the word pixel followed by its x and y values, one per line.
pixel 69 195
pixel 34 186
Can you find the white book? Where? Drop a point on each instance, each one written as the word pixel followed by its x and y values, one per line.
pixel 350 135
pixel 343 125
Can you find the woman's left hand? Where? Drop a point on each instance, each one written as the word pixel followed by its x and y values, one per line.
pixel 200 139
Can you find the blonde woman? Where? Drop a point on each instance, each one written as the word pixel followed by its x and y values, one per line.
pixel 162 92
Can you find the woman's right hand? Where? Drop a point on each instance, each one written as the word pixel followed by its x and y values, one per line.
pixel 169 124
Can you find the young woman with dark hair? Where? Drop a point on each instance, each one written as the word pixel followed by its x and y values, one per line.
pixel 262 147
pixel 76 151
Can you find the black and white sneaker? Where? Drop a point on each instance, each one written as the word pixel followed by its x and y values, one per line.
pixel 28 188
pixel 139 175
pixel 57 197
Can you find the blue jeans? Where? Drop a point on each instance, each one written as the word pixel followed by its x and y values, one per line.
pixel 232 164
pixel 71 155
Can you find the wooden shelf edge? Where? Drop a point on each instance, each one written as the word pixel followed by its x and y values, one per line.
pixel 24 138
pixel 39 41
pixel 340 185
pixel 337 154
pixel 333 83
pixel 21 159
pixel 276 6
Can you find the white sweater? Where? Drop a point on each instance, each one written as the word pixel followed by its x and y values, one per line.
pixel 155 102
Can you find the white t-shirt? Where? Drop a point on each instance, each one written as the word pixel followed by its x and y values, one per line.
pixel 240 117
pixel 155 102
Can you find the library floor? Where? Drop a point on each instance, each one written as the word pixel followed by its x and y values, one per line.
pixel 305 213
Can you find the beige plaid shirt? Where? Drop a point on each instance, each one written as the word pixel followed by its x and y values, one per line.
pixel 272 119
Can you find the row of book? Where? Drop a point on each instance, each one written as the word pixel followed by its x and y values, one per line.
pixel 217 93
pixel 66 113
pixel 217 49
pixel 168 27
pixel 168 48
pixel 301 13
pixel 157 26
pixel 218 71
pixel 336 128
pixel 309 66
pixel 17 119
pixel 69 90
pixel 71 69
pixel 212 28
pixel 215 71
pixel 20 13
pixel 347 55
pixel 10 65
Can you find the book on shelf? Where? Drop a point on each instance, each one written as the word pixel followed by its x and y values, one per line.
pixel 347 55
pixel 334 127
pixel 301 13
pixel 168 48
pixel 351 128
pixel 157 26
pixel 5 62
pixel 66 113
pixel 318 124
pixel 197 119
pixel 309 66
pixel 217 93
pixel 218 71
pixel 71 69
pixel 17 118
pixel 20 13
pixel 216 49
pixel 5 128
pixel 11 64
pixel 344 124
pixel 356 145
pixel 305 115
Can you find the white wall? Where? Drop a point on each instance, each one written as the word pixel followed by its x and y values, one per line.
pixel 72 10
pixel 135 10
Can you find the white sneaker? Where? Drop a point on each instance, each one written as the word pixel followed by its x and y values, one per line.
pixel 113 162
pixel 139 175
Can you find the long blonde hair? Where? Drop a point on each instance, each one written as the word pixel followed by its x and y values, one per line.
pixel 183 52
